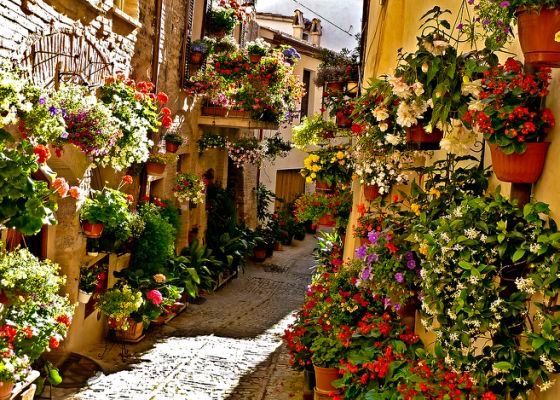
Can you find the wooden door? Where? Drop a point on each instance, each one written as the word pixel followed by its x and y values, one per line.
pixel 289 186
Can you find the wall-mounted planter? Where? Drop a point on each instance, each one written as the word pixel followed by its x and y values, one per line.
pixel 537 36
pixel 155 169
pixel 520 168
pixel 92 231
pixel 84 297
pixel 171 147
pixel 371 192
pixel 335 87
pixel 418 136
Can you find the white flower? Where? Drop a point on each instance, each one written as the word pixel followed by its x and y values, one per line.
pixel 476 105
pixel 534 248
pixel 471 233
pixel 458 140
pixel 525 285
pixel 437 47
pixel 406 115
pixel 380 113
pixel 400 87
pixel 418 88
pixel 383 126
pixel 392 139
pixel 472 88
pixel 546 385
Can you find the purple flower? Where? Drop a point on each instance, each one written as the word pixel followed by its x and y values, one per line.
pixel 366 273
pixel 399 277
pixel 409 255
pixel 460 27
pixel 64 135
pixel 373 236
pixel 361 252
pixel 372 258
pixel 42 101
pixel 53 110
pixel 504 4
pixel 397 307
pixel 411 264
pixel 386 301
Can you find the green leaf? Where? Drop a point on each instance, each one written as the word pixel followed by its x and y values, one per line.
pixel 502 366
pixel 518 255
pixel 538 342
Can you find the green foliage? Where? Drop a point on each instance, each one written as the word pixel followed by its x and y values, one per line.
pixel 222 19
pixel 312 131
pixel 157 243
pixel 25 204
pixel 200 258
pixel 109 207
pixel 120 302
pixel 174 138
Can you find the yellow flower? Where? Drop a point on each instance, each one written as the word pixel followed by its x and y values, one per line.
pixel 313 175
pixel 308 179
pixel 557 37
pixel 340 155
pixel 423 249
pixel 415 208
pixel 316 168
pixel 435 192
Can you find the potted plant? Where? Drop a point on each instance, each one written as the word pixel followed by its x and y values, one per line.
pixel 88 284
pixel 119 304
pixel 155 165
pixel 199 49
pixel 172 142
pixel 537 20
pixel 329 166
pixel 223 17
pixel 335 69
pixel 13 369
pixel 512 120
pixel 257 49
pixel 379 174
pixel 313 130
pixel 189 188
pixel 106 208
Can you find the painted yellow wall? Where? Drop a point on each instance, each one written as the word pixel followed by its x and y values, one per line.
pixel 394 25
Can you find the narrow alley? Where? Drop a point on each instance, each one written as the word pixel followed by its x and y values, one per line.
pixel 228 347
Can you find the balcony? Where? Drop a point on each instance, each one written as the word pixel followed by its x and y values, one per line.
pixel 222 117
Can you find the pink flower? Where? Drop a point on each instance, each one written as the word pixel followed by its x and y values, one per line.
pixel 155 297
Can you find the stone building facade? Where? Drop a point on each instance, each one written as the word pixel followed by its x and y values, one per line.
pixel 84 41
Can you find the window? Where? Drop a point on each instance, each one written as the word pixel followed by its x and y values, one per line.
pixel 129 7
pixel 305 99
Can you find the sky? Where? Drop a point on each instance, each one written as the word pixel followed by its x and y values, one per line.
pixel 347 14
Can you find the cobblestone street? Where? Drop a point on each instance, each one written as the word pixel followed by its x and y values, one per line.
pixel 229 347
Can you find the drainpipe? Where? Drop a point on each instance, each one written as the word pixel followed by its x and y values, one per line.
pixel 155 74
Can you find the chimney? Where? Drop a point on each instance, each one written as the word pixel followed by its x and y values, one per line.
pixel 298 25
pixel 316 32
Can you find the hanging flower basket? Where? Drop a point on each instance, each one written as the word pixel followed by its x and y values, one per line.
pixel 6 390
pixel 371 192
pixel 520 168
pixel 171 147
pixel 429 141
pixel 326 220
pixel 335 87
pixel 155 169
pixel 92 231
pixel 84 297
pixel 324 378
pixel 537 36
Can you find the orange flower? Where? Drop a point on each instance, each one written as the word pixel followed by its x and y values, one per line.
pixel 127 179
pixel 74 192
pixel 61 186
pixel 166 111
pixel 130 198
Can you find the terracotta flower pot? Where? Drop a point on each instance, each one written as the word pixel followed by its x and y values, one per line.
pixel 428 141
pixel 6 390
pixel 155 169
pixel 334 87
pixel 322 186
pixel 92 231
pixel 326 220
pixel 84 297
pixel 537 36
pixel 259 254
pixel 196 57
pixel 278 246
pixel 214 111
pixel 132 332
pixel 520 168
pixel 218 32
pixel 324 377
pixel 371 192
pixel 171 147
pixel 255 58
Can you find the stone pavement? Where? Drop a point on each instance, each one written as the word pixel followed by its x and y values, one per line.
pixel 229 347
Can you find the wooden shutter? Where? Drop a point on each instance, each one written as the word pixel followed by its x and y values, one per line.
pixel 289 186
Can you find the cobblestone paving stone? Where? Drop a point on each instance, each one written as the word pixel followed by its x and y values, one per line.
pixel 228 348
